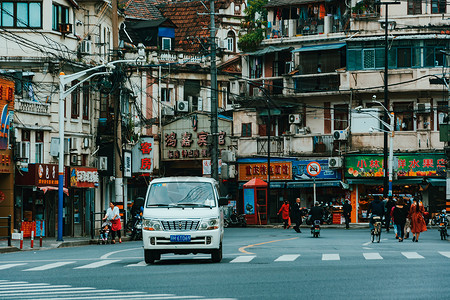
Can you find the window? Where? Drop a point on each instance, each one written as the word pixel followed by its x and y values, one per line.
pixel 442 111
pixel 75 103
pixel 404 113
pixel 230 41
pixel 166 95
pixel 434 57
pixel 340 116
pixel 21 14
pixel 85 106
pixel 403 57
pixel 246 129
pixel 414 7
pixel 60 16
pixel 166 44
pixel 438 6
pixel 255 67
pixel 39 147
pixel 24 148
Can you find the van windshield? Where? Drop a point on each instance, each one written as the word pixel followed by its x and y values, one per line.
pixel 181 194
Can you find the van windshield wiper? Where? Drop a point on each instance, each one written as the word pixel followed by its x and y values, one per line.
pixel 194 204
pixel 163 205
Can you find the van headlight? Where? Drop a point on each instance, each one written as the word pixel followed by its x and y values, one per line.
pixel 152 225
pixel 209 224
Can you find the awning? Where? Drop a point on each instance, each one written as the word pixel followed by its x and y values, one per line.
pixel 45 189
pixel 310 183
pixel 380 181
pixel 273 185
pixel 435 36
pixel 437 181
pixel 320 47
pixel 270 49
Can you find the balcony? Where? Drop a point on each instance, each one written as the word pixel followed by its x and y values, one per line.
pixel 316 82
pixel 33 107
pixel 276 145
pixel 323 143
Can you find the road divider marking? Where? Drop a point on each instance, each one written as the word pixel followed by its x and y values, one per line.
pixel 446 254
pixel 105 256
pixel 331 257
pixel 243 259
pixel 412 255
pixel 97 264
pixel 242 249
pixel 372 256
pixel 139 264
pixel 288 257
pixel 7 266
pixel 51 266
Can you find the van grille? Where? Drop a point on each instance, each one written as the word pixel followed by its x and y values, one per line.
pixel 181 225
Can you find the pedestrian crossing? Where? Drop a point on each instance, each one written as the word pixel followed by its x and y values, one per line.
pixel 27 290
pixel 239 259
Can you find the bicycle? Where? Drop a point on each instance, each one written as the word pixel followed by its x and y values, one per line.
pixel 376 232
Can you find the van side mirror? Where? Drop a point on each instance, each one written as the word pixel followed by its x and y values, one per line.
pixel 223 201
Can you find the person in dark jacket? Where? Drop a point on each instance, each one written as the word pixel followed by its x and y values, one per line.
pixel 347 213
pixel 376 208
pixel 390 203
pixel 316 213
pixel 296 212
pixel 399 214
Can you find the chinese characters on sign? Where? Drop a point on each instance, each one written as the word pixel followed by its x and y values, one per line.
pixel 278 171
pixel 143 156
pixel 5 162
pixel 404 165
pixel 84 177
pixel 6 104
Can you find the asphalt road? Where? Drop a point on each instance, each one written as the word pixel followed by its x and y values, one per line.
pixel 259 263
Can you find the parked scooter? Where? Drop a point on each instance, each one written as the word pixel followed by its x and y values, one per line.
pixel 443 223
pixel 232 218
pixel 315 228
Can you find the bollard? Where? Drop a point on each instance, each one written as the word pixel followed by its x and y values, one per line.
pixel 32 238
pixel 21 240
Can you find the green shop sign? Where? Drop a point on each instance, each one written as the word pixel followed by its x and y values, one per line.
pixel 408 165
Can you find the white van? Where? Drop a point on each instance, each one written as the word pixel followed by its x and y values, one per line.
pixel 182 216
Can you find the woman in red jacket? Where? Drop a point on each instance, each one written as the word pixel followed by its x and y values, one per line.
pixel 417 222
pixel 284 210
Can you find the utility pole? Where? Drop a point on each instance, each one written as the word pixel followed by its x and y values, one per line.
pixel 214 102
pixel 117 114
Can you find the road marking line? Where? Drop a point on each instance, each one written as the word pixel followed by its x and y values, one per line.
pixel 331 257
pixel 32 288
pixel 50 266
pixel 367 244
pixel 139 264
pixel 141 296
pixel 12 282
pixel 105 256
pixel 242 249
pixel 62 291
pixel 412 255
pixel 288 257
pixel 7 266
pixel 372 256
pixel 97 264
pixel 51 290
pixel 446 254
pixel 243 259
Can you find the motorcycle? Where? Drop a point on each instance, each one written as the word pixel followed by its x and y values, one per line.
pixel 136 231
pixel 442 225
pixel 234 219
pixel 315 228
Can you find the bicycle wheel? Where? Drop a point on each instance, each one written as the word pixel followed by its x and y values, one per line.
pixel 379 232
pixel 372 233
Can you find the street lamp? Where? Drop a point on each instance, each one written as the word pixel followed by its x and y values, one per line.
pixel 63 80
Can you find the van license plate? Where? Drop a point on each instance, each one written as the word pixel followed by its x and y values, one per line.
pixel 180 238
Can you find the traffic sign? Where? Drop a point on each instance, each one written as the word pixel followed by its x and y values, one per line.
pixel 313 169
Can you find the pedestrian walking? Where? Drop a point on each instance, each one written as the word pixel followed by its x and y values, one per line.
pixel 297 215
pixel 113 215
pixel 399 214
pixel 347 210
pixel 390 203
pixel 417 221
pixel 284 210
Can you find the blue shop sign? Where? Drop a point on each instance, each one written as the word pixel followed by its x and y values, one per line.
pixel 299 170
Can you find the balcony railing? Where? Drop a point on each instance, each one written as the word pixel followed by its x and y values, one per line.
pixel 323 143
pixel 276 145
pixel 180 58
pixel 316 82
pixel 33 107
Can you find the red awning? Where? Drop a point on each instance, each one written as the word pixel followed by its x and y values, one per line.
pixel 53 188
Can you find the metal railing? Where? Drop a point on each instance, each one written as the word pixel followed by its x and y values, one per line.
pixel 96 223
pixel 9 236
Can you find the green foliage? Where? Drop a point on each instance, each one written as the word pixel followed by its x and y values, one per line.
pixel 250 41
pixel 255 31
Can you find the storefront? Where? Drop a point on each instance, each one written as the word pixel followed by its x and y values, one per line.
pixel 36 197
pixel 415 174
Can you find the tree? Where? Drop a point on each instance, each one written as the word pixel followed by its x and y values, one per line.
pixel 254 23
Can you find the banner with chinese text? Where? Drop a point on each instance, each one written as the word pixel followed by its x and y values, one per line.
pixel 142 156
pixel 278 171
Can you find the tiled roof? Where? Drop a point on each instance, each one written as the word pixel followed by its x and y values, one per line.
pixel 141 9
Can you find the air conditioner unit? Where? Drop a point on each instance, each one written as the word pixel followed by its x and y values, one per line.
pixel 183 106
pixel 74 160
pixel 295 119
pixel 289 67
pixel 335 162
pixel 102 163
pixel 200 104
pixel 167 111
pixel 65 28
pixel 86 143
pixel 340 135
pixel 73 144
pixel 228 156
pixel 423 108
pixel 86 47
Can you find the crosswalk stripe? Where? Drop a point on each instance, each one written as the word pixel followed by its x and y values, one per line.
pixel 288 257
pixel 50 290
pixel 7 266
pixel 24 289
pixel 141 296
pixel 446 254
pixel 51 266
pixel 331 257
pixel 412 255
pixel 63 291
pixel 372 256
pixel 243 258
pixel 97 264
